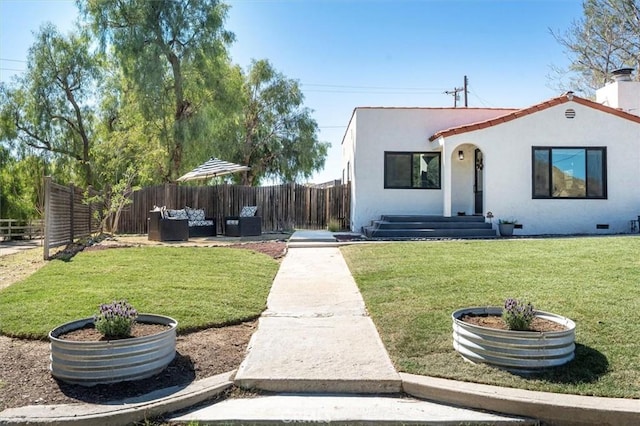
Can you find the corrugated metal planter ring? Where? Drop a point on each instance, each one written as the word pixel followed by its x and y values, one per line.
pixel 111 361
pixel 525 351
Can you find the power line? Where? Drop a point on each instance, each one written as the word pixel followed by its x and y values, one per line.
pixel 435 89
pixel 12 60
pixel 338 87
pixel 483 101
pixel 329 88
pixel 376 92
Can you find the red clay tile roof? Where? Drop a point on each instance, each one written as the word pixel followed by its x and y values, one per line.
pixel 530 110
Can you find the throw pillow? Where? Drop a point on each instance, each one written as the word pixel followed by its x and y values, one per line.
pixel 189 211
pixel 178 214
pixel 195 214
pixel 248 211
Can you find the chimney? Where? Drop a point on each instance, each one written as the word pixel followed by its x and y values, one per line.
pixel 622 74
pixel 622 93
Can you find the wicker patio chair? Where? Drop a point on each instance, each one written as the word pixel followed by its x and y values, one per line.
pixel 246 224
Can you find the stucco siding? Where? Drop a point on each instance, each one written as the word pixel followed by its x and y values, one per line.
pixel 349 163
pixel 624 95
pixel 507 165
pixel 397 129
pixel 507 150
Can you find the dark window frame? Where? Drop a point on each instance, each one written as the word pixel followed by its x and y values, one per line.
pixel 549 149
pixel 411 154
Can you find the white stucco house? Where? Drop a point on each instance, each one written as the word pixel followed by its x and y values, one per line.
pixel 568 165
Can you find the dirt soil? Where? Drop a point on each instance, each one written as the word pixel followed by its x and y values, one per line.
pixel 495 321
pixel 24 364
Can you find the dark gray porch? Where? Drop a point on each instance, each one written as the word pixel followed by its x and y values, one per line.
pixel 429 226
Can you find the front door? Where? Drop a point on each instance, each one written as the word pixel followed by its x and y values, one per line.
pixel 478 184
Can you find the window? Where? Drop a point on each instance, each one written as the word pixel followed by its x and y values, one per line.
pixel 569 172
pixel 412 170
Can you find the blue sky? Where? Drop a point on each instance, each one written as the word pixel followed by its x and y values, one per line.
pixel 350 53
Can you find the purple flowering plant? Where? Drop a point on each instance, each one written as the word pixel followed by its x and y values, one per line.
pixel 114 320
pixel 517 314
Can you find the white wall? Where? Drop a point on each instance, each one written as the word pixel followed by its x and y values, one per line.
pixel 348 160
pixel 396 129
pixel 508 170
pixel 624 95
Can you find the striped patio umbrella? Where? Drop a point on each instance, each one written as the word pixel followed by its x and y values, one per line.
pixel 212 168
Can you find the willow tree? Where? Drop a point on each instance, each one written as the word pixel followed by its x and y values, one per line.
pixel 172 51
pixel 51 107
pixel 274 133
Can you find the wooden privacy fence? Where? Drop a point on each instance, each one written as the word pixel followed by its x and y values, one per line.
pixel 282 207
pixel 67 215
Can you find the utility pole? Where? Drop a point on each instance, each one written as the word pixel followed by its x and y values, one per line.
pixel 457 90
pixel 466 91
pixel 454 92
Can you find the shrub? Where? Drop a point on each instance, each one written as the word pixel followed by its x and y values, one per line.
pixel 114 320
pixel 517 315
pixel 334 225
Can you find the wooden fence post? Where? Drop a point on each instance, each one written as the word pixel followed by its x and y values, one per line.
pixel 47 216
pixel 72 212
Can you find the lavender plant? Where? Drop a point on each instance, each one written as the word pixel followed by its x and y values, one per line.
pixel 114 320
pixel 517 315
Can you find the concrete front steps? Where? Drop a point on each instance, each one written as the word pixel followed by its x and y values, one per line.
pixel 429 226
pixel 339 409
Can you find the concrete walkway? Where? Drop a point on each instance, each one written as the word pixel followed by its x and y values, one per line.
pixel 319 349
pixel 315 335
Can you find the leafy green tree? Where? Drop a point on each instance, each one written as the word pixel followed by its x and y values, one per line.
pixel 606 38
pixel 274 133
pixel 172 51
pixel 21 186
pixel 113 199
pixel 122 130
pixel 50 108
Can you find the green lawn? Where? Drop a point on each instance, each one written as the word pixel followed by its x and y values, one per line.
pixel 199 287
pixel 412 288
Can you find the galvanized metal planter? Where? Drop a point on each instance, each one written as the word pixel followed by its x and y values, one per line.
pixel 526 351
pixel 111 361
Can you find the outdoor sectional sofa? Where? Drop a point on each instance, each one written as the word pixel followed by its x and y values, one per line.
pixel 179 224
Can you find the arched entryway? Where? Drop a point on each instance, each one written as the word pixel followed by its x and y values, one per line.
pixel 467 180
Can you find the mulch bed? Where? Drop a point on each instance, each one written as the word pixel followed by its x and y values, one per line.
pixel 25 378
pixel 495 321
pixel 90 334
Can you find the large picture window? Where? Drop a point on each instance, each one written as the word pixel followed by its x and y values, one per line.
pixel 569 172
pixel 412 170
